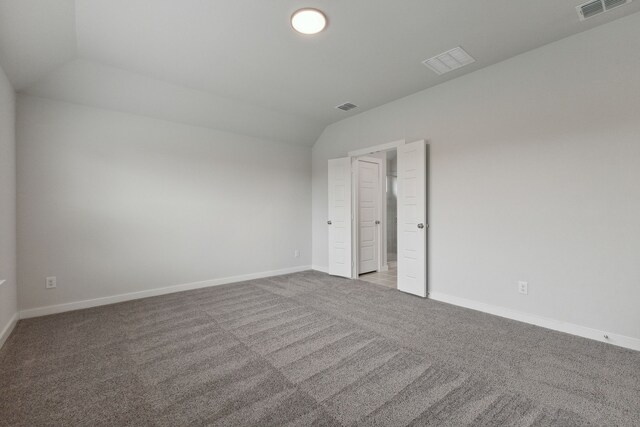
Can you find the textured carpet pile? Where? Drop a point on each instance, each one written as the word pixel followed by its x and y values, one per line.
pixel 307 349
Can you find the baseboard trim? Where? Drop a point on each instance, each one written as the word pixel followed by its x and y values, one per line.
pixel 6 332
pixel 320 269
pixel 79 305
pixel 545 322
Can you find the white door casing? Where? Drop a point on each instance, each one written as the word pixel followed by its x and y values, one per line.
pixel 412 218
pixel 339 220
pixel 369 210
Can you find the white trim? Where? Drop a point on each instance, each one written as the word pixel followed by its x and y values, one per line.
pixel 545 322
pixel 376 148
pixel 4 335
pixel 78 305
pixel 320 269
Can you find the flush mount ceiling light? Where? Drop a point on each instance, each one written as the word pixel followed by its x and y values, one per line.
pixel 308 21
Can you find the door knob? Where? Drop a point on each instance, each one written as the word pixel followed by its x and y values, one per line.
pixel 377 222
pixel 421 225
pixel 329 222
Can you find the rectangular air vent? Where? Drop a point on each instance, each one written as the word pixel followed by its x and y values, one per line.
pixel 596 7
pixel 590 9
pixel 346 106
pixel 449 61
pixel 610 4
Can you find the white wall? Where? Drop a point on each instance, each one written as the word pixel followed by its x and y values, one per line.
pixel 534 175
pixel 112 203
pixel 8 293
pixel 88 83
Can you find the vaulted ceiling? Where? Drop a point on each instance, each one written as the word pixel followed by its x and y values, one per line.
pixel 237 65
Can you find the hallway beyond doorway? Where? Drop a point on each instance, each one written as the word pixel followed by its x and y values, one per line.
pixel 387 278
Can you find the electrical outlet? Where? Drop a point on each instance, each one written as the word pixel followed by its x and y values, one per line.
pixel 296 253
pixel 523 288
pixel 51 282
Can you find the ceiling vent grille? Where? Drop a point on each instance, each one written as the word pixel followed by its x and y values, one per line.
pixel 591 9
pixel 596 7
pixel 346 106
pixel 610 4
pixel 449 61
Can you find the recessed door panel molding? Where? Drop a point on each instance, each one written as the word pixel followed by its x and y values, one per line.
pixel 339 217
pixel 412 218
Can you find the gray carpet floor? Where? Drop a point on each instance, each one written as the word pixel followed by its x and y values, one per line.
pixel 307 349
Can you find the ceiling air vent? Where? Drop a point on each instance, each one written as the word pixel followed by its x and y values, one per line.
pixel 596 7
pixel 610 4
pixel 346 106
pixel 449 61
pixel 590 9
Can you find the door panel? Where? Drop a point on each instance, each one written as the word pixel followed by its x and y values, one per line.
pixel 339 221
pixel 368 214
pixel 412 214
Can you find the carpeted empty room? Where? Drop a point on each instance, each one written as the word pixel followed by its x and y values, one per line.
pixel 317 213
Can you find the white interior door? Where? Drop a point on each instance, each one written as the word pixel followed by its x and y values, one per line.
pixel 368 215
pixel 412 216
pixel 339 221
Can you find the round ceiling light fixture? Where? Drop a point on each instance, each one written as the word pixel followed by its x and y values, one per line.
pixel 308 21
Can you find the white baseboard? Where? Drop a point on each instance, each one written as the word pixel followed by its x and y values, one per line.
pixel 78 305
pixel 320 269
pixel 4 335
pixel 545 322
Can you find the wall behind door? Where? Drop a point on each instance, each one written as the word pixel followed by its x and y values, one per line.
pixel 8 292
pixel 534 172
pixel 113 203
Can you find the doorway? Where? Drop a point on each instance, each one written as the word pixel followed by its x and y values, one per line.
pixel 377 218
pixel 354 257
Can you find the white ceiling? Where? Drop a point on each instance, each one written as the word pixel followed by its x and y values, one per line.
pixel 237 65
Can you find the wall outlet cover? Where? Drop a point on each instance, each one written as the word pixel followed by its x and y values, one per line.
pixel 523 287
pixel 51 282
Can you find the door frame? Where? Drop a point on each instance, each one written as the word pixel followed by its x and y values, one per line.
pixel 353 155
pixel 376 148
pixel 355 209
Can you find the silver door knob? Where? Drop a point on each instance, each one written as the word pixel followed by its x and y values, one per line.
pixel 377 222
pixel 329 222
pixel 421 225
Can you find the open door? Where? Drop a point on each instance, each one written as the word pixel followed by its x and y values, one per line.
pixel 339 221
pixel 368 214
pixel 412 216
